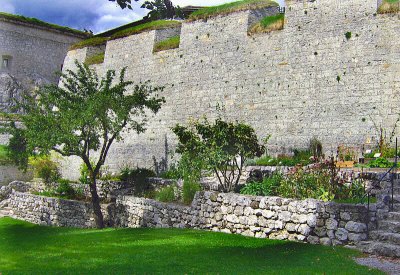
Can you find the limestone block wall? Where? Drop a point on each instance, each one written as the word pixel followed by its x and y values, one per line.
pixel 307 80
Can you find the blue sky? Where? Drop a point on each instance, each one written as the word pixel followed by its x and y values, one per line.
pixel 95 15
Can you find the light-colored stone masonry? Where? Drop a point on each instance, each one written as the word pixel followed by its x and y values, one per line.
pixel 263 217
pixel 304 81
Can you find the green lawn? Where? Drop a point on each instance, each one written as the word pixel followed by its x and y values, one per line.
pixel 27 248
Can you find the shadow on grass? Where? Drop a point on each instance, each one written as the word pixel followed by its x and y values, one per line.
pixel 35 249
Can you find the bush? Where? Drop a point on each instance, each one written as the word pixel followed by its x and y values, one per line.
pixel 380 163
pixel 189 190
pixel 138 177
pixel 268 187
pixel 65 190
pixel 166 194
pixel 45 168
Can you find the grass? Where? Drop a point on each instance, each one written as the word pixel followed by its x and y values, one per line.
pixel 154 25
pixel 228 8
pixel 268 24
pixel 4 159
pixel 31 249
pixel 389 6
pixel 95 59
pixel 93 41
pixel 38 22
pixel 170 43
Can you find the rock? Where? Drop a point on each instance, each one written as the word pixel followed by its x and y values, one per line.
pixel 284 216
pixel 356 227
pixel 268 214
pixel 326 241
pixel 320 231
pixel 341 234
pixel 357 237
pixel 311 220
pixel 213 197
pixel 304 229
pixel 313 239
pixel 255 204
pixel 345 216
pixel 331 224
pixel 291 227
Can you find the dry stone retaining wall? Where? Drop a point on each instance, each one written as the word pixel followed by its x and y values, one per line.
pixel 308 220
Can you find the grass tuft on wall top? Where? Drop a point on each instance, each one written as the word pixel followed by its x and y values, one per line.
pixel 170 43
pixel 268 24
pixel 228 8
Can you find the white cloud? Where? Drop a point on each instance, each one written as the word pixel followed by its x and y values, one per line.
pixel 7 6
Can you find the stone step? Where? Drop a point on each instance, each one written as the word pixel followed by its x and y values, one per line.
pixel 389 226
pixel 383 236
pixel 380 248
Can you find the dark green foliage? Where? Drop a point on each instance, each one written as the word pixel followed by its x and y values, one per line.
pixel 64 189
pixel 221 147
pixel 45 168
pixel 86 114
pixel 380 163
pixel 159 9
pixel 17 147
pixel 172 173
pixel 167 194
pixel 138 177
pixel 268 187
pixel 189 190
pixel 30 249
pixel 347 35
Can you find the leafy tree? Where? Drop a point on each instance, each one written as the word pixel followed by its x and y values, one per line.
pixel 85 115
pixel 159 9
pixel 222 146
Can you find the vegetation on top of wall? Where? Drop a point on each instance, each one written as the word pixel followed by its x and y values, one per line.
pixel 389 6
pixel 95 59
pixel 268 24
pixel 170 43
pixel 93 41
pixel 41 23
pixel 4 155
pixel 149 26
pixel 228 8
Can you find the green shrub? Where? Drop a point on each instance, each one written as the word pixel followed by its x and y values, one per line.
pixel 84 177
pixel 172 173
pixel 189 190
pixel 65 190
pixel 45 168
pixel 379 163
pixel 268 187
pixel 166 194
pixel 347 35
pixel 138 177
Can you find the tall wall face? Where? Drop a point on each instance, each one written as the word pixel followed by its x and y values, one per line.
pixel 307 80
pixel 34 54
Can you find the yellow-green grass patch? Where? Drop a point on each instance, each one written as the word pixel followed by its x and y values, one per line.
pixel 268 24
pixel 170 43
pixel 154 25
pixel 389 6
pixel 232 7
pixel 95 59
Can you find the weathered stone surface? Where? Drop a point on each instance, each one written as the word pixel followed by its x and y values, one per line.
pixel 356 227
pixel 341 234
pixel 331 224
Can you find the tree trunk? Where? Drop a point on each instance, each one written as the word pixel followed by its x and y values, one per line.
pixel 98 215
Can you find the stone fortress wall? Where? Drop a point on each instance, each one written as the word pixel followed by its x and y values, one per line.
pixel 33 53
pixel 307 80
